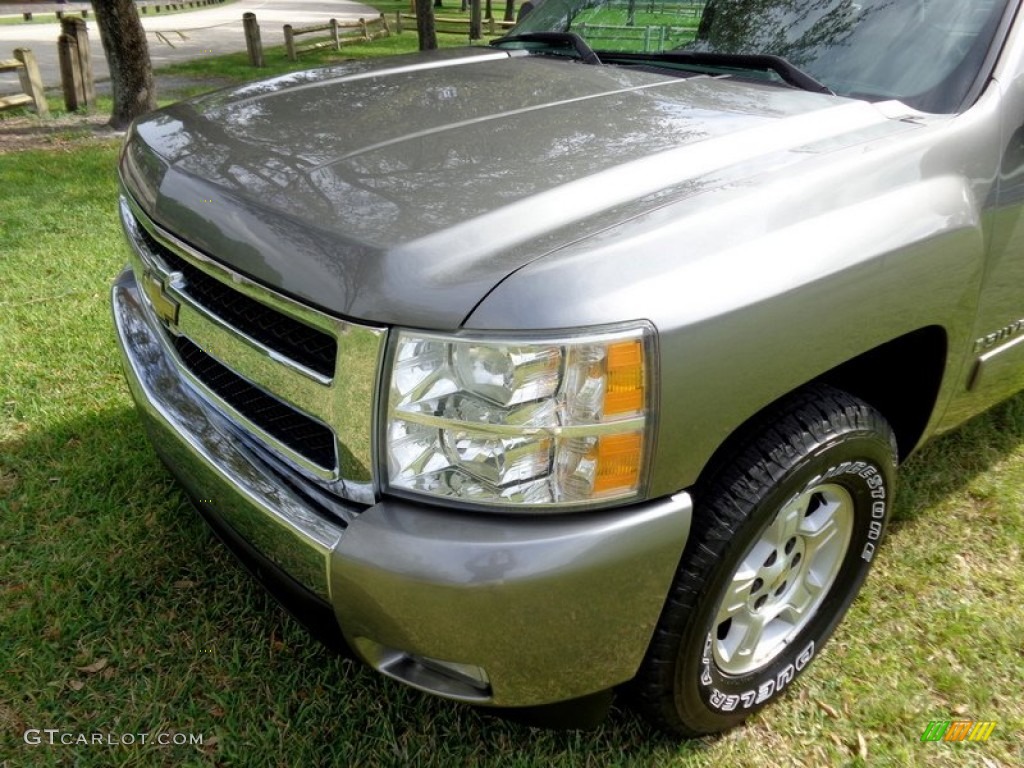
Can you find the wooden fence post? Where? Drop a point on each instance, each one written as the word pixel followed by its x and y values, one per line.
pixel 289 43
pixel 85 85
pixel 398 22
pixel 84 55
pixel 335 35
pixel 70 76
pixel 253 43
pixel 31 80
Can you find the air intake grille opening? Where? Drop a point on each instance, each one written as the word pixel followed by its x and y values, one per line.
pixel 300 433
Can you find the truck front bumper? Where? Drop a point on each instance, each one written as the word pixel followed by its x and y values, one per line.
pixel 495 609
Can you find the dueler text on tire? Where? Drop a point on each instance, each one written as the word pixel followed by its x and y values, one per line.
pixel 783 537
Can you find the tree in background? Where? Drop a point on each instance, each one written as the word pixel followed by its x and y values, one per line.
pixel 131 72
pixel 475 22
pixel 425 25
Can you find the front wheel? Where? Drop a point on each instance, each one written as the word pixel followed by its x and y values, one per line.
pixel 781 541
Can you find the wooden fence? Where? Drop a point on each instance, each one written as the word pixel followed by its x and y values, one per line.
pixel 337 34
pixel 24 63
pixel 448 25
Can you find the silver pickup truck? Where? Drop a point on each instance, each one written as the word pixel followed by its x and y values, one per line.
pixel 583 360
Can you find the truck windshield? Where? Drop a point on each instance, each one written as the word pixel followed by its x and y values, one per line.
pixel 927 53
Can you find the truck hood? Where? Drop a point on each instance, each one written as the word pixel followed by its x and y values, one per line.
pixel 402 191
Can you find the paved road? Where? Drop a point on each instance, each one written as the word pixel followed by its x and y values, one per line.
pixel 178 36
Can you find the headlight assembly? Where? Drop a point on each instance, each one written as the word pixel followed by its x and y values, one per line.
pixel 519 422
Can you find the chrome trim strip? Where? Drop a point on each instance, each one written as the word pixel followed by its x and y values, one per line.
pixel 344 403
pixel 235 350
pixel 512 430
pixel 993 364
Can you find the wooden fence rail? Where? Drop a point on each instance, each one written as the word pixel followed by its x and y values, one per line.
pixel 24 63
pixel 448 25
pixel 339 33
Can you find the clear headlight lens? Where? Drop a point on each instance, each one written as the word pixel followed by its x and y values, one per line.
pixel 519 422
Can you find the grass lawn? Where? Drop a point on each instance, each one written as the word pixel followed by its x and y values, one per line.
pixel 121 614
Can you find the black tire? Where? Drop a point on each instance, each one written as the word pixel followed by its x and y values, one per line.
pixel 796 515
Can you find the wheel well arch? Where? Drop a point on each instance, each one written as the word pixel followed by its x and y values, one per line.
pixel 900 378
pixel 908 390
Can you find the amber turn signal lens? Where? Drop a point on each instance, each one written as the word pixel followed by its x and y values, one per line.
pixel 618 462
pixel 625 366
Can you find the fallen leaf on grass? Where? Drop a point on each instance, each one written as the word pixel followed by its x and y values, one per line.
pixel 96 666
pixel 862 746
pixel 76 685
pixel 184 584
pixel 827 709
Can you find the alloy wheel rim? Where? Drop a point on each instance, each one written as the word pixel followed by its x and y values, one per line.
pixel 783 579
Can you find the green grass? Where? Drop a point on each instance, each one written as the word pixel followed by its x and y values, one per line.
pixel 104 563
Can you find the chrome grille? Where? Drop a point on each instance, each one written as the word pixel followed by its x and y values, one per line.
pixel 291 427
pixel 299 381
pixel 299 342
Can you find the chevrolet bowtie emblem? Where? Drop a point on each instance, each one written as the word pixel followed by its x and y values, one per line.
pixel 155 289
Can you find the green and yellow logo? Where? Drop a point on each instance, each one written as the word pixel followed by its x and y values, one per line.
pixel 958 730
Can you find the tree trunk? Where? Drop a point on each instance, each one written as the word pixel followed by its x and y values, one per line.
pixel 475 22
pixel 510 10
pixel 131 73
pixel 425 25
pixel 488 10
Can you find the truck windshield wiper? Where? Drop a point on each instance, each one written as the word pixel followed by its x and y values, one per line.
pixel 764 62
pixel 555 40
